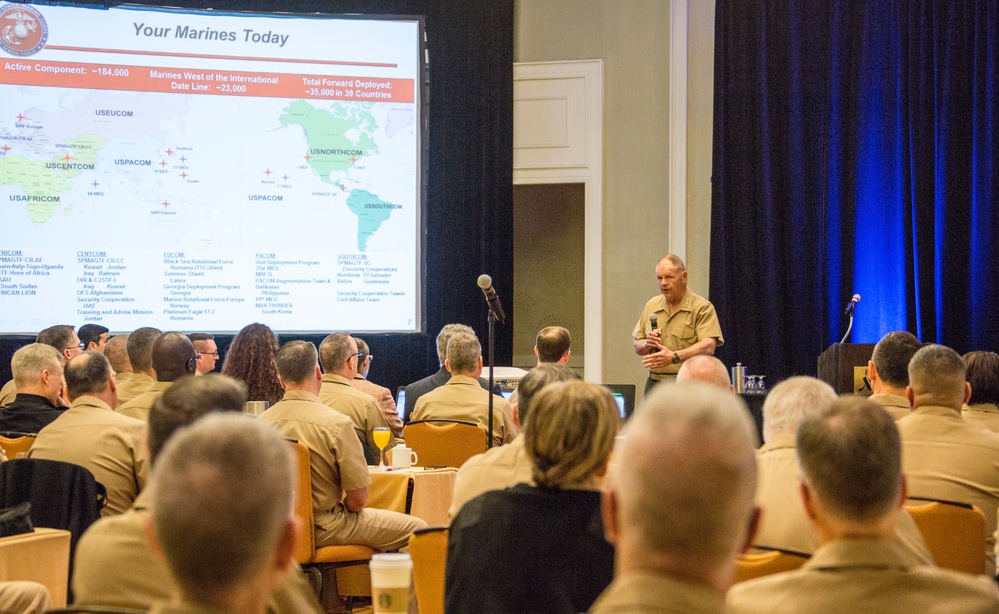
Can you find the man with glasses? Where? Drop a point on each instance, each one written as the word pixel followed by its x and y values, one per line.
pixel 381 394
pixel 65 341
pixel 339 356
pixel 208 351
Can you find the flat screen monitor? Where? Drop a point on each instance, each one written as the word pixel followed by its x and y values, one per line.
pixel 624 396
pixel 201 170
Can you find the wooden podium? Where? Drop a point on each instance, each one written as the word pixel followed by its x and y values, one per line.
pixel 844 367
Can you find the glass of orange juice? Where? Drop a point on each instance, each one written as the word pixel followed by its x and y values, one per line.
pixel 381 435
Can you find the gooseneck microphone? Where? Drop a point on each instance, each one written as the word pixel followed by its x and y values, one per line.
pixel 849 306
pixel 486 283
pixel 653 321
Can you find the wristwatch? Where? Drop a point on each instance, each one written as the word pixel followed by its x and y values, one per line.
pixel 676 358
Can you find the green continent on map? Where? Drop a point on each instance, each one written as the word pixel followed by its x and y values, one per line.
pixel 44 182
pixel 333 136
pixel 371 211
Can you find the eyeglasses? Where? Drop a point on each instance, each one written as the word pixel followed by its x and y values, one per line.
pixel 357 356
pixel 78 346
pixel 215 354
pixel 370 357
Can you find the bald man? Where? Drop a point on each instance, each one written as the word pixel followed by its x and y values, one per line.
pixel 679 505
pixel 707 369
pixel 173 357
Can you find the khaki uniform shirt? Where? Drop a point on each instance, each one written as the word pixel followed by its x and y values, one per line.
pixel 383 396
pixel 122 376
pixel 896 406
pixel 462 398
pixel 361 408
pixel 133 387
pixel 867 576
pixel 335 453
pixel 784 524
pixel 650 593
pixel 693 320
pixel 947 458
pixel 109 445
pixel 115 567
pixel 983 414
pixel 139 407
pixel 184 608
pixel 7 393
pixel 495 469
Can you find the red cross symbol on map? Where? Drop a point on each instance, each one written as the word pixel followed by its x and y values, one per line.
pixel 165 204
pixel 162 162
pixel 66 157
pixel 20 117
pixel 268 172
pixel 183 175
pixel 5 148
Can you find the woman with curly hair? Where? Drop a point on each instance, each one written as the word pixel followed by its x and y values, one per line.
pixel 251 359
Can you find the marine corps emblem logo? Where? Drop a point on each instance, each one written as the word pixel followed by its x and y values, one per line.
pixel 23 30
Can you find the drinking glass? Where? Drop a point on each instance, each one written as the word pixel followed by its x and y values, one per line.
pixel 381 435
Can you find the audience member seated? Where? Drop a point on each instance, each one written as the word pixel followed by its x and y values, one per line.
pixel 340 476
pixel 983 375
pixel 944 456
pixel 116 352
pixel 251 359
pixel 24 598
pixel 223 517
pixel 140 356
pixel 678 505
pixel 37 370
pixel 93 337
pixel 173 357
pixel 208 351
pixel 783 522
pixel 381 394
pixel 115 566
pixel 339 355
pixel 552 345
pixel 706 369
pixel 462 398
pixel 541 548
pixel 61 337
pixel 853 490
pixel 505 466
pixel 93 435
pixel 419 388
pixel 888 371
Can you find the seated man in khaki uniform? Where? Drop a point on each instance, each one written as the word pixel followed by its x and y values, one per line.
pixel 706 369
pixel 505 466
pixel 888 371
pixel 115 566
pixel 173 357
pixel 678 503
pixel 61 337
pixel 223 518
pixel 116 352
pixel 140 355
pixel 339 355
pixel 461 398
pixel 853 489
pixel 340 476
pixel 945 457
pixel 983 375
pixel 783 523
pixel 93 435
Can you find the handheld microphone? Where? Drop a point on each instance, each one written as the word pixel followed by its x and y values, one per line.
pixel 852 304
pixel 653 321
pixel 492 299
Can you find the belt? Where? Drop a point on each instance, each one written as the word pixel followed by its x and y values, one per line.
pixel 658 377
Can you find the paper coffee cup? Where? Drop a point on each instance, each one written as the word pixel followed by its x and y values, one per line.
pixel 391 582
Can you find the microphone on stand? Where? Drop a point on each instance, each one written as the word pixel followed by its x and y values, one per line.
pixel 851 305
pixel 486 283
pixel 653 321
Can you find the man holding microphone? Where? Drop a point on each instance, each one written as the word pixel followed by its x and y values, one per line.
pixel 674 326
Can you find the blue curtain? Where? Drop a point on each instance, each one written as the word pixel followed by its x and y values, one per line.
pixel 854 152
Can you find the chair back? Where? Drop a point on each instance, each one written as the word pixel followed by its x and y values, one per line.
pixel 306 546
pixel 448 443
pixel 428 548
pixel 41 556
pixel 954 533
pixel 16 447
pixel 761 564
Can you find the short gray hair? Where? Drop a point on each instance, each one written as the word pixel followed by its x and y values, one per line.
pixel 28 363
pixel 790 401
pixel 445 335
pixel 223 491
pixel 463 352
pixel 334 352
pixel 685 473
pixel 296 361
pixel 937 374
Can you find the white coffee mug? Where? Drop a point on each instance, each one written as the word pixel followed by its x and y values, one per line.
pixel 403 457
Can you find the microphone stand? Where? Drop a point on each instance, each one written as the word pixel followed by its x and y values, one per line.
pixel 492 334
pixel 848 328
